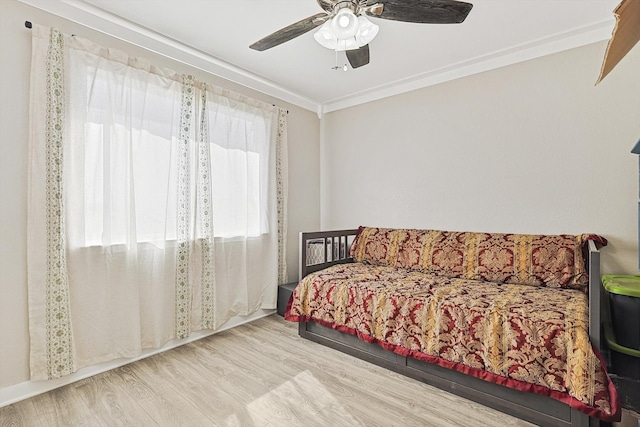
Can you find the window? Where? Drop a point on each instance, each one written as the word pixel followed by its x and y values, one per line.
pixel 156 205
pixel 128 160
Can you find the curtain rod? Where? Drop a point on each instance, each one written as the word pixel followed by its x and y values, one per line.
pixel 29 25
pixel 279 107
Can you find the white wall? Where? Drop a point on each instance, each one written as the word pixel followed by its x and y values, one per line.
pixel 529 148
pixel 15 63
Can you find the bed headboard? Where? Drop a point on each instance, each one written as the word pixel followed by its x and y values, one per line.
pixel 321 249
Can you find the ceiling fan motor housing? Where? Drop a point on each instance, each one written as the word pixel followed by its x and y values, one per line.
pixel 351 4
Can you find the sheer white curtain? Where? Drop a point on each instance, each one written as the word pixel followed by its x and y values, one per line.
pixel 157 205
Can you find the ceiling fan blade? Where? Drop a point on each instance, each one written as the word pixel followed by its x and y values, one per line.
pixel 358 57
pixel 290 32
pixel 421 11
pixel 327 5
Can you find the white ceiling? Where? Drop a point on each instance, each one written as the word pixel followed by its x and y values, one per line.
pixel 215 35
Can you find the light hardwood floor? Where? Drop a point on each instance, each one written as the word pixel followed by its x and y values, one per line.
pixel 260 375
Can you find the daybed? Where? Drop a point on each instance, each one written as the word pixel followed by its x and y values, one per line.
pixel 502 319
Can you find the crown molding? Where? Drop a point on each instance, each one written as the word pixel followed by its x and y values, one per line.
pixel 542 47
pixel 112 25
pixel 99 20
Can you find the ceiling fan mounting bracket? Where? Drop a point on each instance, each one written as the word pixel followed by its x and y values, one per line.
pixel 358 7
pixel 351 4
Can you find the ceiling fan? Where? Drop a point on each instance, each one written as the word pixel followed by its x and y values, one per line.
pixel 344 25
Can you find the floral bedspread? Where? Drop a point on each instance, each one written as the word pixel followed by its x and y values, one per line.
pixel 529 338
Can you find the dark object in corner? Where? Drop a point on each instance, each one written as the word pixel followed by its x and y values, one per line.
pixel 284 293
pixel 629 391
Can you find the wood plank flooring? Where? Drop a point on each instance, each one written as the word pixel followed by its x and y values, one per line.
pixel 258 375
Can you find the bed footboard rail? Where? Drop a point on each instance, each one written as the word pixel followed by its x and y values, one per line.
pixel 321 249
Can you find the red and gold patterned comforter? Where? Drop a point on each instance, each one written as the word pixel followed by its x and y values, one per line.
pixel 525 337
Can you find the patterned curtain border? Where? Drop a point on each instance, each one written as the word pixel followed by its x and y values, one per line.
pixel 183 287
pixel 282 183
pixel 205 212
pixel 59 346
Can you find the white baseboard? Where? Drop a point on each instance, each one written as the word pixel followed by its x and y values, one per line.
pixel 27 389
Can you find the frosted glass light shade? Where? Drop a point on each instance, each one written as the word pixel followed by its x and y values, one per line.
pixel 345 24
pixel 346 38
pixel 348 44
pixel 325 36
pixel 367 31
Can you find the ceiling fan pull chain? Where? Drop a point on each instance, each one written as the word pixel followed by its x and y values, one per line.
pixel 337 67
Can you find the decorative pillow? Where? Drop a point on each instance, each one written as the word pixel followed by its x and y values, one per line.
pixel 538 260
pixel 411 245
pixel 373 245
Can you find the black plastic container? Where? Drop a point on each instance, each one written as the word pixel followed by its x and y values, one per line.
pixel 623 337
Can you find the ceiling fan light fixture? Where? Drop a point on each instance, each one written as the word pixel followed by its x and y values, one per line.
pixel 346 44
pixel 367 31
pixel 325 36
pixel 345 24
pixel 353 33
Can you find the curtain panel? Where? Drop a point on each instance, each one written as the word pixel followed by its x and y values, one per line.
pixel 156 207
